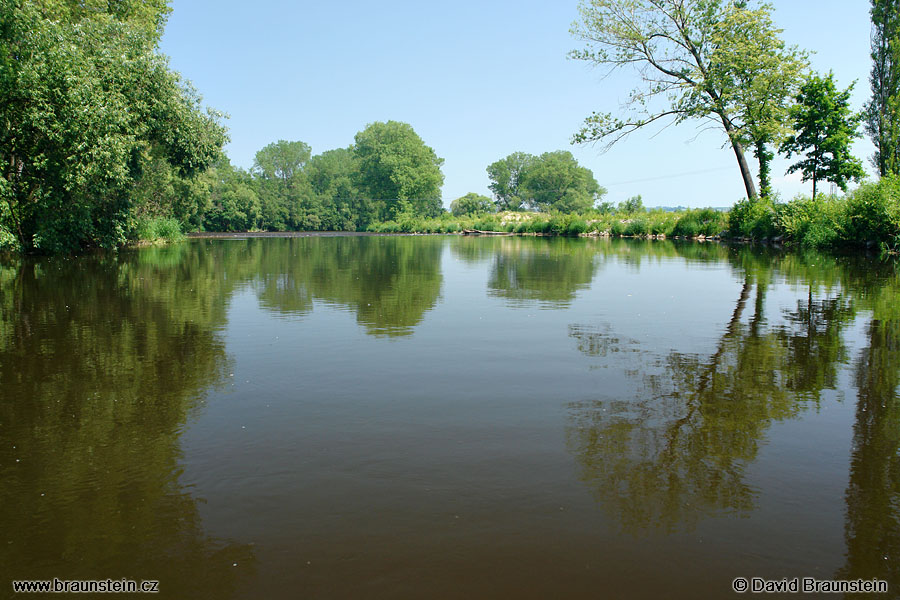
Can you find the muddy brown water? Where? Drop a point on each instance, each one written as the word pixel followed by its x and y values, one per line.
pixel 448 417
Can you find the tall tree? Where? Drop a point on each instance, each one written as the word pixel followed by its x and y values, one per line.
pixel 883 110
pixel 84 106
pixel 281 160
pixel 506 179
pixel 332 176
pixel 395 165
pixel 825 128
pixel 759 75
pixel 555 181
pixel 692 56
pixel 471 204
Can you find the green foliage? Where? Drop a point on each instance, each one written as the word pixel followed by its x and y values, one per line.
pixel 698 59
pixel 632 205
pixel 752 219
pixel 882 112
pixel 813 223
pixel 506 177
pixel 8 242
pixel 87 103
pixel 555 181
pixel 637 227
pixel 825 128
pixel 471 203
pixel 552 181
pixel 395 164
pixel 343 207
pixel 157 229
pixel 234 204
pixel 707 222
pixel 872 212
pixel 281 160
pixel 757 75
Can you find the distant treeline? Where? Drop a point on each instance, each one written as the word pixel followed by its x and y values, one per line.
pixel 388 174
pixel 102 144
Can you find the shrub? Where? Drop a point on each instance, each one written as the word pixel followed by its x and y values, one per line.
pixel 157 228
pixel 687 226
pixel 637 227
pixel 811 223
pixel 872 212
pixel 752 218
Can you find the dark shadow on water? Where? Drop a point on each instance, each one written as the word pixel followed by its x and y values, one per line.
pixel 103 360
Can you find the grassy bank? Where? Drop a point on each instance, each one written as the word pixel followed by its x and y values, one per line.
pixel 866 217
pixel 692 223
pixel 155 230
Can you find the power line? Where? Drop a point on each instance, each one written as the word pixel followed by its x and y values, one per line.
pixel 671 176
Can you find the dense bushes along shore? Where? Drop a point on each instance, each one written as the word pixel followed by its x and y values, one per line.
pixel 869 215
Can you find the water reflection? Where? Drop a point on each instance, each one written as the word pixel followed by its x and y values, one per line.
pixel 550 272
pixel 388 282
pixel 677 450
pixel 873 493
pixel 102 360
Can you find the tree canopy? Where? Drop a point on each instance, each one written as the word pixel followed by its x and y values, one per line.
pixel 825 128
pixel 396 165
pixel 713 60
pixel 86 102
pixel 882 112
pixel 552 181
pixel 470 204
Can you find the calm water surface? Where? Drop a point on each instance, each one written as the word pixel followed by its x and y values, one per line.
pixel 444 417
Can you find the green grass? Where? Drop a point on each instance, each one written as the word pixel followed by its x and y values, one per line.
pixel 156 229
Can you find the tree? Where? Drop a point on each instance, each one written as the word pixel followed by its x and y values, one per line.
pixel 825 129
pixel 506 179
pixel 286 198
pixel 332 175
pixel 551 181
pixel 396 165
pixel 883 110
pixel 694 56
pixel 281 160
pixel 85 105
pixel 635 204
pixel 758 75
pixel 471 204
pixel 555 181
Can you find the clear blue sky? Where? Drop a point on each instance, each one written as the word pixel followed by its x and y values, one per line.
pixel 476 79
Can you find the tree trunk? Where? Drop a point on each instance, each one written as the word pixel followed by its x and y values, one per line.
pixel 741 159
pixel 764 157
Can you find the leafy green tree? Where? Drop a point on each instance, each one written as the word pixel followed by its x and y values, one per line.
pixel 555 181
pixel 234 204
pixel 825 128
pixel 633 205
pixel 694 58
pixel 281 160
pixel 471 204
pixel 396 165
pixel 332 176
pixel 883 110
pixel 506 180
pixel 285 195
pixel 84 105
pixel 758 76
pixel 149 16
